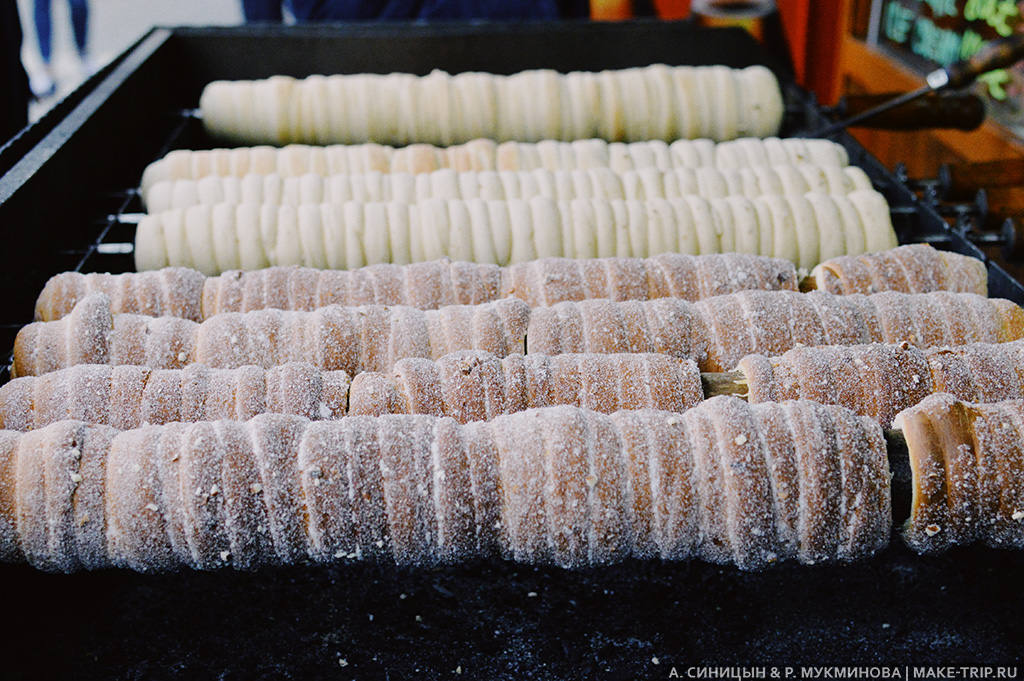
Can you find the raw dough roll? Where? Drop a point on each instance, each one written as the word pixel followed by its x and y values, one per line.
pixel 127 397
pixel 477 386
pixel 260 173
pixel 351 339
pixel 968 473
pixel 175 292
pixel 353 234
pixel 642 183
pixel 916 268
pixel 526 106
pixel 726 482
pixel 748 152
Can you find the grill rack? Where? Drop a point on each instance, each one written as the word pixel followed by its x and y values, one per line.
pixel 301 622
pixel 915 219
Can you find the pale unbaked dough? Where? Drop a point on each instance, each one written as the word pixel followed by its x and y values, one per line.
pixel 658 101
pixel 803 229
pixel 483 154
pixel 643 183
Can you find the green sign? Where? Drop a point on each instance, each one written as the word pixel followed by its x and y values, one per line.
pixel 931 33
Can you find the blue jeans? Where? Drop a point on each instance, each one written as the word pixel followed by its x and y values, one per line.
pixel 44 28
pixel 262 10
pixel 362 10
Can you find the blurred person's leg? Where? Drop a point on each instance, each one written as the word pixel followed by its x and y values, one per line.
pixel 80 29
pixel 80 24
pixel 353 10
pixel 262 10
pixel 497 10
pixel 44 28
pixel 42 83
pixel 357 10
pixel 13 81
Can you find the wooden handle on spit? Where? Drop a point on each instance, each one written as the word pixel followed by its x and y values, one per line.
pixel 962 111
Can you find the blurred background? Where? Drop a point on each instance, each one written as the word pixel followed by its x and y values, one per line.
pixel 845 47
pixel 113 25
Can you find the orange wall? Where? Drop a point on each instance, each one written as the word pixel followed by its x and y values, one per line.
pixel 813 32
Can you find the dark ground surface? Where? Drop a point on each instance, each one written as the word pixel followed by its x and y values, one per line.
pixel 297 623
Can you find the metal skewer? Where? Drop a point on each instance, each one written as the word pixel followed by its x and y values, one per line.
pixel 998 54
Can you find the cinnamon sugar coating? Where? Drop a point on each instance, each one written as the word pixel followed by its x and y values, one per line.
pixel 127 397
pixel 879 380
pixel 914 268
pixel 351 339
pixel 467 385
pixel 477 386
pixel 968 473
pixel 185 293
pixel 715 332
pixel 726 482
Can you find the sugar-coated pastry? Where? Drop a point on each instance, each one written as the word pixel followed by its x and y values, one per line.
pixel 335 337
pixel 880 380
pixel 728 482
pixel 169 292
pixel 718 332
pixel 478 386
pixel 179 292
pixel 127 396
pixel 915 268
pixel 715 332
pixel 968 473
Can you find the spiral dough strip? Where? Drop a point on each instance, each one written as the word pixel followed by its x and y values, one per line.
pixel 715 332
pixel 490 185
pixel 296 160
pixel 726 482
pixel 127 397
pixel 466 385
pixel 968 473
pixel 180 292
pixel 920 266
pixel 350 339
pixel 879 381
pixel 651 102
pixel 718 332
pixel 875 380
pixel 803 229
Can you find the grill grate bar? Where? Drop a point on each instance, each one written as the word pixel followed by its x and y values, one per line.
pixel 124 216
